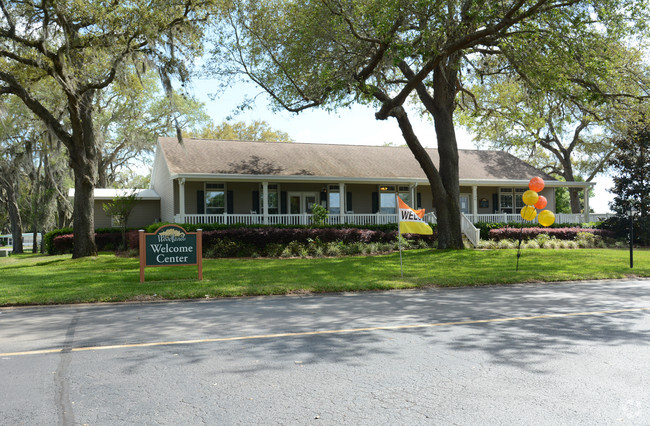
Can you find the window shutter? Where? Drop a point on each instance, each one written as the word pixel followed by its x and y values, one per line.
pixel 256 201
pixel 419 203
pixel 283 202
pixel 348 201
pixel 375 202
pixel 230 202
pixel 200 202
pixel 495 203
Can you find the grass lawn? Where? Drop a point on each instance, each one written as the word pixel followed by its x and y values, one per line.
pixel 36 279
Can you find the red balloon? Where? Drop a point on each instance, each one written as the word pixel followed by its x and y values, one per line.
pixel 536 184
pixel 541 202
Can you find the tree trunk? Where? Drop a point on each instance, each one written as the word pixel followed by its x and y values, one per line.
pixel 84 165
pixel 447 202
pixel 35 242
pixel 83 222
pixel 574 196
pixel 102 180
pixel 14 219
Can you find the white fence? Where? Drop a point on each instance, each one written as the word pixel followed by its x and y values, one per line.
pixel 28 239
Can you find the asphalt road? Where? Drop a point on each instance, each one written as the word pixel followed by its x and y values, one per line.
pixel 567 353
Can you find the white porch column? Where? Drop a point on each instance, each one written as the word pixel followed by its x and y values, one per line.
pixel 474 202
pixel 265 202
pixel 414 197
pixel 342 200
pixel 586 210
pixel 181 199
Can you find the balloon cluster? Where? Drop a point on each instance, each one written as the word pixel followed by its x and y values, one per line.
pixel 534 201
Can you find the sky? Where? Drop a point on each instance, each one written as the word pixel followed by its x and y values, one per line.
pixel 353 126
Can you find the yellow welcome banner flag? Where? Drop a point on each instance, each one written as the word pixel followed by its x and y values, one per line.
pixel 411 221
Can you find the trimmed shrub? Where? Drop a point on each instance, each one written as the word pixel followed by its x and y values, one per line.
pixel 60 241
pixel 62 244
pixel 48 239
pixel 531 233
pixel 486 227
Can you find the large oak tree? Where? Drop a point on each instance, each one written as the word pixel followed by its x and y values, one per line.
pixel 79 48
pixel 392 55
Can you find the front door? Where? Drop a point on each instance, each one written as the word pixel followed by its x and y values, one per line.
pixel 302 202
pixel 464 203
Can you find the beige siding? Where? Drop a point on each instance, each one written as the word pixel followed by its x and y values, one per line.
pixel 191 189
pixel 144 213
pixel 163 185
pixel 102 220
pixel 243 196
pixel 361 198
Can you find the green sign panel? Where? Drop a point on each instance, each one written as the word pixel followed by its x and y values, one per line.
pixel 170 245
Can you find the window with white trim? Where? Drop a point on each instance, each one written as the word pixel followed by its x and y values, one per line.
pixel 274 198
pixel 334 199
pixel 215 198
pixel 387 200
pixel 510 199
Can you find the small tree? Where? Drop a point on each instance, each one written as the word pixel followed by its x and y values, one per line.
pixel 631 170
pixel 319 214
pixel 120 209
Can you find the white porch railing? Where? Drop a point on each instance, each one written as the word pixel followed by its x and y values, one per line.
pixel 559 217
pixel 467 220
pixel 363 219
pixel 284 219
pixel 470 231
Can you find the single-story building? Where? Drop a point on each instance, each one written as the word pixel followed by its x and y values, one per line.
pixel 145 212
pixel 217 181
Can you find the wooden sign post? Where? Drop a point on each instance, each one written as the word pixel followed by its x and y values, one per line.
pixel 171 245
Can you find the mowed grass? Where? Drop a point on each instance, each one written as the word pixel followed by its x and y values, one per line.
pixel 35 279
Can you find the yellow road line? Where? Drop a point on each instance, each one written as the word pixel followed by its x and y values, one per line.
pixel 315 333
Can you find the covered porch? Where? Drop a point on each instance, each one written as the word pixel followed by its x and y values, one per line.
pixel 357 202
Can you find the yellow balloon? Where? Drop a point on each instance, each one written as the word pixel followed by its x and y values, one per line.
pixel 530 197
pixel 528 212
pixel 546 218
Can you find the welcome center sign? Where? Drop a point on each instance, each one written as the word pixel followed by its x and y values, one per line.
pixel 171 245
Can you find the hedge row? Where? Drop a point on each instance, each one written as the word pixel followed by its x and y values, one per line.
pixel 258 237
pixel 486 227
pixel 106 241
pixel 531 233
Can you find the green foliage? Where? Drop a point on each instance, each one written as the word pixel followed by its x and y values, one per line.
pixel 319 215
pixel 48 239
pixel 131 114
pixel 256 131
pixel 120 208
pixel 57 58
pixel 631 165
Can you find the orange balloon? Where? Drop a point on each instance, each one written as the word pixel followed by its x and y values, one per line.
pixel 546 218
pixel 530 197
pixel 528 212
pixel 536 184
pixel 541 203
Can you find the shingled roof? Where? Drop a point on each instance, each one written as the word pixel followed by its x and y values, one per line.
pixel 219 157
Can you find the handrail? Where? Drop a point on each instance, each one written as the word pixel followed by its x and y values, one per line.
pixel 470 231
